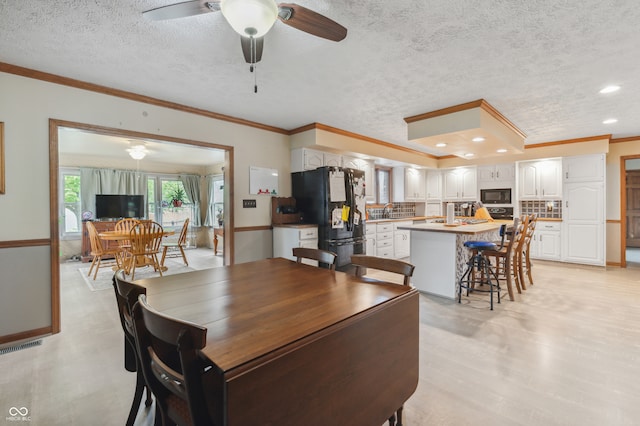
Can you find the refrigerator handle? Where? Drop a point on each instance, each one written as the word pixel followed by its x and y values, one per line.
pixel 350 198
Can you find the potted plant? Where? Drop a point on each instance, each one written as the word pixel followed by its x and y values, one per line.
pixel 177 197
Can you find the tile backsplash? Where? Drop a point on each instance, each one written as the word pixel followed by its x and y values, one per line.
pixel 398 211
pixel 550 209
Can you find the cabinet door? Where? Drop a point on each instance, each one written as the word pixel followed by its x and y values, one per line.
pixel 468 184
pixel 401 244
pixel 313 159
pixel 351 162
pixel 414 184
pixel 333 160
pixel 550 179
pixel 549 245
pixel 583 168
pixel 583 223
pixel 434 185
pixel 528 184
pixel 451 185
pixel 486 173
pixel 369 179
pixel 371 245
pixel 504 173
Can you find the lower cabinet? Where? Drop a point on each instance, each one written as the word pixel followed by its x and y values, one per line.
pixel 545 243
pixel 384 240
pixel 370 235
pixel 286 237
pixel 401 240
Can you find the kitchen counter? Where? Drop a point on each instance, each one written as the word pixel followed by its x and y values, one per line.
pixel 398 219
pixel 294 225
pixel 439 254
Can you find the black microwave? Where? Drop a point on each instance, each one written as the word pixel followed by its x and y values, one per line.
pixel 495 196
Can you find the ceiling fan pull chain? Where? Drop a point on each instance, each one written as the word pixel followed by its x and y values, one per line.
pixel 255 79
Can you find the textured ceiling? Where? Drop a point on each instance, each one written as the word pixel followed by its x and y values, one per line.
pixel 540 63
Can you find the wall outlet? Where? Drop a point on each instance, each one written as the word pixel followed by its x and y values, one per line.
pixel 248 204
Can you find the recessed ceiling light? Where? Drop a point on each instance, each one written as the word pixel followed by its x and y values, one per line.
pixel 501 150
pixel 468 154
pixel 610 89
pixel 441 145
pixel 610 121
pixel 478 139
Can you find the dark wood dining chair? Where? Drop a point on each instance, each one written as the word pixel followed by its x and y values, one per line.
pixel 182 241
pixel 169 351
pixel 98 251
pixel 126 296
pixel 362 262
pixel 322 256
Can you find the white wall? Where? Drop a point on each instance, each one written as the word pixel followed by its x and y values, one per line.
pixel 26 105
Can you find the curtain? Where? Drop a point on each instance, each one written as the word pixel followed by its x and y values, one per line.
pixel 191 185
pixel 210 218
pixel 109 181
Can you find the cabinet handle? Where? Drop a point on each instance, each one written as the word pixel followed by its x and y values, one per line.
pixel 566 175
pixel 497 175
pixel 567 204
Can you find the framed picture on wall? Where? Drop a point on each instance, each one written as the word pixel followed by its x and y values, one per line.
pixel 1 157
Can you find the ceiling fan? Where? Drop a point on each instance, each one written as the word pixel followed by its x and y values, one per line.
pixel 252 19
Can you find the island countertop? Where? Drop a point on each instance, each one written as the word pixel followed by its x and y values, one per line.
pixel 459 229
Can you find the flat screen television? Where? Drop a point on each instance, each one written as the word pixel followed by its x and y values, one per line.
pixel 118 206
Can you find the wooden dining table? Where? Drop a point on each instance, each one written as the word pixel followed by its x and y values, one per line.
pixel 125 235
pixel 293 344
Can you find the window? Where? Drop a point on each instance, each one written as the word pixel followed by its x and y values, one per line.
pixel 383 185
pixel 160 207
pixel 70 214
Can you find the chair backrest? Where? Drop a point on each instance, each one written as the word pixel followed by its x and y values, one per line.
pixel 169 353
pixel 94 238
pixel 124 226
pixel 146 238
pixel 126 297
pixel 322 256
pixel 362 261
pixel 522 237
pixel 183 233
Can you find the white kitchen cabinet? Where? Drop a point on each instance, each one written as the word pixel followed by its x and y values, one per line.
pixel 370 235
pixel 384 240
pixel 434 185
pixel 331 159
pixel 460 184
pixel 540 179
pixel 408 184
pixel 287 237
pixel 545 243
pixel 401 240
pixel 368 167
pixel 583 224
pixel 583 168
pixel 498 173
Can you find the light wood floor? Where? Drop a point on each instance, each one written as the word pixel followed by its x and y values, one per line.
pixel 567 352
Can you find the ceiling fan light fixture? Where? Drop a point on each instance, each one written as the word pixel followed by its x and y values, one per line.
pixel 250 18
pixel 137 152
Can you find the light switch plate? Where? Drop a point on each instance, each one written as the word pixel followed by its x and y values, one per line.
pixel 248 204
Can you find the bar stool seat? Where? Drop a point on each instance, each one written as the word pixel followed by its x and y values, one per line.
pixel 479 263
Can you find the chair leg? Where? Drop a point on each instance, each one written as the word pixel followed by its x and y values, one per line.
pixel 392 420
pixel 137 397
pixel 520 271
pixel 399 416
pixel 528 260
pixel 509 280
pixel 164 254
pixel 184 256
pixel 95 273
pixel 93 263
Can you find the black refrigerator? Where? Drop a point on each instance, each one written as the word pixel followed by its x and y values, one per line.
pixel 334 199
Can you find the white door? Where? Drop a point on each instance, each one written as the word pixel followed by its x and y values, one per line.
pixel 528 181
pixel 583 223
pixel 550 179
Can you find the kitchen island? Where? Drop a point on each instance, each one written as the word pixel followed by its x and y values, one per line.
pixel 439 254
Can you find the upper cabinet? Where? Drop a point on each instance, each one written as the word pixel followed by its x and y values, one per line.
pixel 408 184
pixel 460 184
pixel 434 185
pixel 368 167
pixel 583 168
pixel 331 159
pixel 499 173
pixel 306 159
pixel 540 179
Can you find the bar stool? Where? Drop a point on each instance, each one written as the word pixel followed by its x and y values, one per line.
pixel 480 262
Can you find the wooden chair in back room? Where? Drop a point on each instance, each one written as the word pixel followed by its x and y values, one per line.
pixel 182 241
pixel 145 238
pixel 98 252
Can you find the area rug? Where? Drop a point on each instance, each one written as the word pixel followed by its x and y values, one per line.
pixel 105 274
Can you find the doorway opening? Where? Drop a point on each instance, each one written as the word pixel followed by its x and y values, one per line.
pixel 630 211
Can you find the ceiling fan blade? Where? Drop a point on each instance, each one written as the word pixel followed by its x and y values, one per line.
pixel 247 50
pixel 182 10
pixel 310 22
